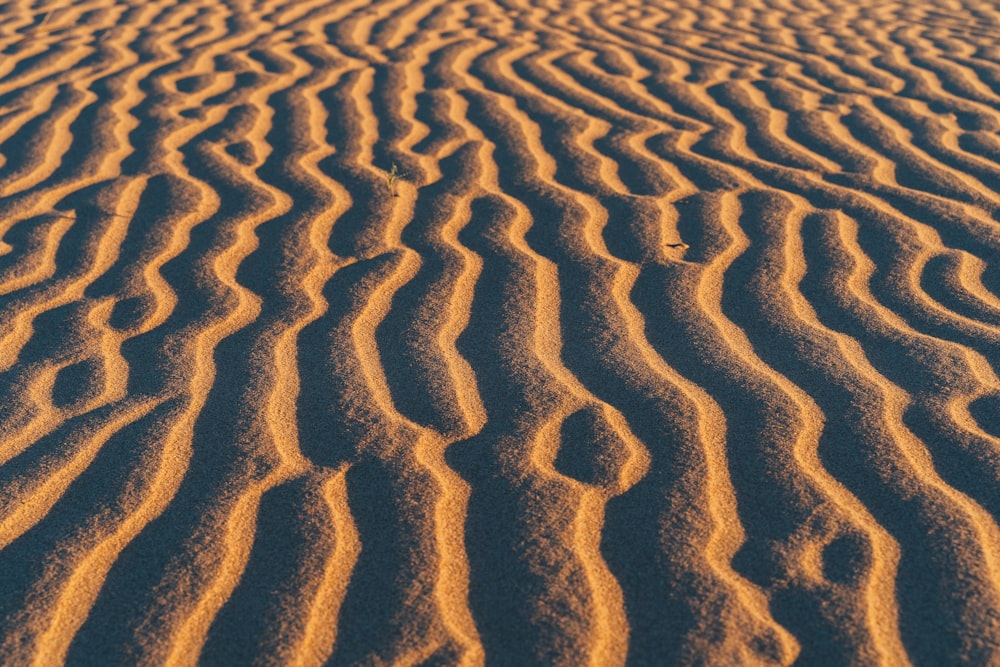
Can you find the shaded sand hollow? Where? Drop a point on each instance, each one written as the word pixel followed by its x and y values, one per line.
pixel 675 341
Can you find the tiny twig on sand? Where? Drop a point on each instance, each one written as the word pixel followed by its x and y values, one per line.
pixel 42 26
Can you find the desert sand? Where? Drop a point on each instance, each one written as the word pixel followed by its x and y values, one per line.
pixel 504 332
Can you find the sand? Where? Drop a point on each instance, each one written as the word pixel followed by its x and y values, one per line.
pixel 674 339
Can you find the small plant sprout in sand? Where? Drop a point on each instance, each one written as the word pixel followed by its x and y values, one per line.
pixel 391 179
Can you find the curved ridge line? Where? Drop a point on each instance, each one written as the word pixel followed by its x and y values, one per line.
pixel 882 618
pixel 242 518
pixel 84 585
pixel 970 274
pixel 459 314
pixel 955 320
pixel 281 401
pixel 58 144
pixel 726 536
pixel 320 631
pixel 608 610
pixel 451 588
pixel 865 268
pixel 363 328
pixel 546 171
pixel 924 231
pixel 32 510
pixel 458 622
pixel 861 276
pixel 915 453
pixel 708 294
pixel 409 19
pixel 45 264
pixel 71 289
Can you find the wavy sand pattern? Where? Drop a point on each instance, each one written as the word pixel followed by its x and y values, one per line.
pixel 677 344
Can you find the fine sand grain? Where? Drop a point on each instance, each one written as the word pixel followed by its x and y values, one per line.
pixel 516 332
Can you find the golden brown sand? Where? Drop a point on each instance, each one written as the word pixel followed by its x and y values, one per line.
pixel 675 341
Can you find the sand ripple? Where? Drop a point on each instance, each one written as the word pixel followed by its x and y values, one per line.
pixel 676 342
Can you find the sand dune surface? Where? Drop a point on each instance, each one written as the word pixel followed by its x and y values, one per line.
pixel 503 332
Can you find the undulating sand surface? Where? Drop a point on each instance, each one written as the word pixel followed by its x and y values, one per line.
pixel 674 340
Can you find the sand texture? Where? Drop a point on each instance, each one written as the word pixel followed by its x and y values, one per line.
pixel 674 340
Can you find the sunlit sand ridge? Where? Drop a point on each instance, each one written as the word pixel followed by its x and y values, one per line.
pixel 675 341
